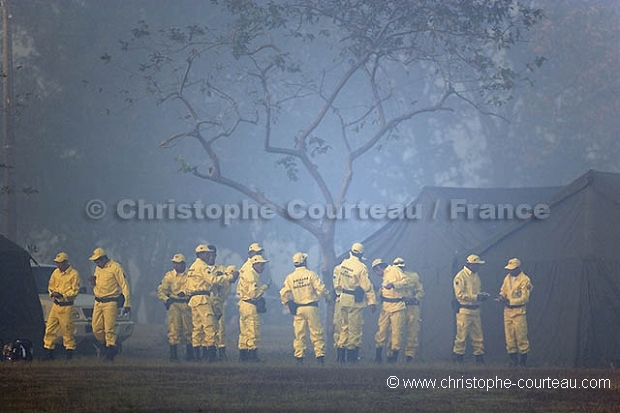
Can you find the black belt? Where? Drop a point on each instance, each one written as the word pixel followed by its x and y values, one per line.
pixel 63 303
pixel 106 299
pixel 391 300
pixel 352 292
pixel 310 304
pixel 515 306
pixel 411 301
pixel 178 300
pixel 469 307
pixel 202 292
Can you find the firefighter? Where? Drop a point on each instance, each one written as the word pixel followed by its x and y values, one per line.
pixel 300 292
pixel 250 292
pixel 356 291
pixel 467 290
pixel 254 249
pixel 515 294
pixel 199 286
pixel 109 283
pixel 225 277
pixel 413 295
pixel 392 315
pixel 170 291
pixel 63 287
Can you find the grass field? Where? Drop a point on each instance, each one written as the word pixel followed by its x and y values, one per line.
pixel 138 382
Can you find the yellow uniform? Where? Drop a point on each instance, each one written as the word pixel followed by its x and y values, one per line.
pixel 179 312
pixel 110 283
pixel 392 316
pixel 61 317
pixel 517 292
pixel 337 322
pixel 305 287
pixel 466 289
pixel 352 274
pixel 248 289
pixel 198 286
pixel 222 291
pixel 413 295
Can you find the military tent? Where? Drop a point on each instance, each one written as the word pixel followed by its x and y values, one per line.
pixel 448 221
pixel 573 259
pixel 21 316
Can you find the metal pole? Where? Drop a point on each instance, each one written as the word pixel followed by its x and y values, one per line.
pixel 7 192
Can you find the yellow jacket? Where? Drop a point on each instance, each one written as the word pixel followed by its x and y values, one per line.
pixel 303 285
pixel 171 285
pixel 248 286
pixel 110 282
pixel 66 283
pixel 200 278
pixel 394 275
pixel 352 273
pixel 466 289
pixel 517 290
pixel 415 289
pixel 223 285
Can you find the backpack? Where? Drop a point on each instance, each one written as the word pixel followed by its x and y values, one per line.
pixel 20 349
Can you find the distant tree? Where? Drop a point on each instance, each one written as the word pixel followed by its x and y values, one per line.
pixel 320 83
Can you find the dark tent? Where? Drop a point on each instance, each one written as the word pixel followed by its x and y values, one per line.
pixel 21 316
pixel 573 259
pixel 429 243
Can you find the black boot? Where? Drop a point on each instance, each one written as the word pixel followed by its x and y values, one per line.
pixel 253 356
pixel 459 358
pixel 173 353
pixel 205 353
pixel 378 357
pixel 351 356
pixel 299 361
pixel 69 353
pixel 110 353
pixel 211 354
pixel 479 359
pixel 341 355
pixel 409 359
pixel 320 360
pixel 49 354
pixel 221 353
pixel 523 360
pixel 189 352
pixel 392 359
pixel 196 353
pixel 243 355
pixel 514 360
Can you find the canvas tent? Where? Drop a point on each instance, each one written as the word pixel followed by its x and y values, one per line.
pixel 429 244
pixel 573 259
pixel 21 316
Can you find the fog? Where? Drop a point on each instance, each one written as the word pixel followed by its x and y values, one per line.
pixel 86 128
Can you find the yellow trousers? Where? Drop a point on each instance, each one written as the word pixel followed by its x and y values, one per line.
pixel 203 325
pixel 104 321
pixel 337 322
pixel 351 323
pixel 60 318
pixel 394 321
pixel 179 323
pixel 412 321
pixel 307 317
pixel 468 325
pixel 220 329
pixel 515 328
pixel 249 326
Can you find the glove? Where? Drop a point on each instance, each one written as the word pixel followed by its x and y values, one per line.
pixel 483 296
pixel 181 294
pixel 373 308
pixel 126 311
pixel 500 298
pixel 388 286
pixel 56 295
pixel 167 304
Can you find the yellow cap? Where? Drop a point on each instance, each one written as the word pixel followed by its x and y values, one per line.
pixel 357 248
pixel 399 262
pixel 204 248
pixel 255 247
pixel 299 258
pixel 513 263
pixel 178 258
pixel 62 256
pixel 474 259
pixel 97 253
pixel 377 261
pixel 257 258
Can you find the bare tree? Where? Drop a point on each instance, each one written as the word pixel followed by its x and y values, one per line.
pixel 322 82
